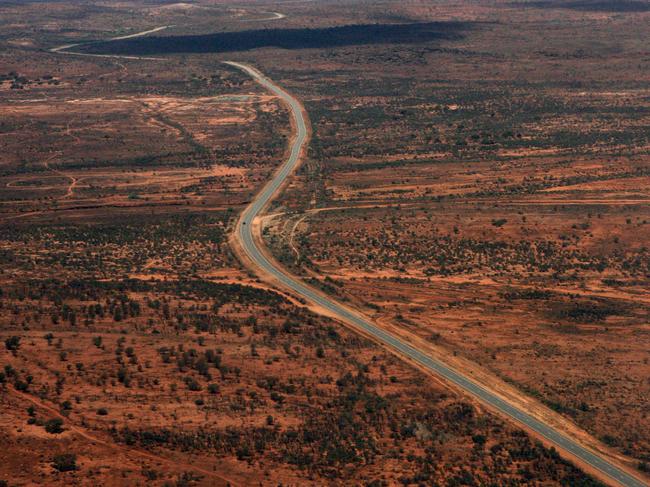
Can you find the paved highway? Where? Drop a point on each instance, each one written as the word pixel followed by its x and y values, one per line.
pixel 244 233
pixel 66 48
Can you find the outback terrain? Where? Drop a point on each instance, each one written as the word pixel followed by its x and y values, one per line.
pixel 477 176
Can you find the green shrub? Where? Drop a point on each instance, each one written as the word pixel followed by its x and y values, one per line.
pixel 54 426
pixel 12 343
pixel 66 462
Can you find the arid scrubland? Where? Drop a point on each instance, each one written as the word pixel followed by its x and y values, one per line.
pixel 478 175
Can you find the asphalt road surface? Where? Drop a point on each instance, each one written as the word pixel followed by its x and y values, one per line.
pixel 66 48
pixel 244 231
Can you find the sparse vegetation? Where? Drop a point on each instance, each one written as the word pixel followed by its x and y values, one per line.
pixel 477 176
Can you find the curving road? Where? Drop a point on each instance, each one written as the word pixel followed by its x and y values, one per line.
pixel 65 49
pixel 245 234
pixel 272 16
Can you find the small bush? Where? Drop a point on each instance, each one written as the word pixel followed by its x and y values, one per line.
pixel 54 426
pixel 12 343
pixel 66 462
pixel 150 474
